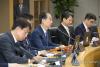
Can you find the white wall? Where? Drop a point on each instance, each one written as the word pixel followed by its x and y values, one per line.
pixel 85 6
pixel 99 11
pixel 4 16
pixel 55 21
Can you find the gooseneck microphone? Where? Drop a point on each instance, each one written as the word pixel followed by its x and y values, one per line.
pixel 66 35
pixel 75 50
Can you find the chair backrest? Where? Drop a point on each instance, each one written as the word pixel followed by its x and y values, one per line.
pixel 53 35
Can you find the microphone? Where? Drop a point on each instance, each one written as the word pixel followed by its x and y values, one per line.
pixel 32 50
pixel 28 45
pixel 26 53
pixel 62 56
pixel 29 55
pixel 66 35
pixel 76 50
pixel 76 47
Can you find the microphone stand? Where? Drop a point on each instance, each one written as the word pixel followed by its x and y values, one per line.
pixel 68 41
pixel 27 45
pixel 74 61
pixel 62 57
pixel 75 52
pixel 65 34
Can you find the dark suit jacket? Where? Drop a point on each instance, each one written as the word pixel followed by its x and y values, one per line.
pixel 3 64
pixel 80 30
pixel 63 37
pixel 17 11
pixel 39 41
pixel 10 52
pixel 27 46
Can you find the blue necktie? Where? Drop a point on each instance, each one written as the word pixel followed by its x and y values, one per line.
pixel 46 38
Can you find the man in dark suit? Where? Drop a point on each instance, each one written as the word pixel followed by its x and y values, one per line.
pixel 39 37
pixel 65 33
pixel 10 49
pixel 10 65
pixel 4 65
pixel 85 26
pixel 26 43
pixel 20 9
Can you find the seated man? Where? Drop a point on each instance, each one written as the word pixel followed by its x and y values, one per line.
pixel 39 37
pixel 27 16
pixel 25 43
pixel 86 26
pixel 10 49
pixel 4 65
pixel 65 30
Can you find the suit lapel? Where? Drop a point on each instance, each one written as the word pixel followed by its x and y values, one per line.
pixel 11 37
pixel 63 29
pixel 45 38
pixel 41 32
pixel 82 27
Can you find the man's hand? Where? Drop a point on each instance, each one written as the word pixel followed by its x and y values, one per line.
pixel 43 52
pixel 15 65
pixel 70 47
pixel 37 58
pixel 62 46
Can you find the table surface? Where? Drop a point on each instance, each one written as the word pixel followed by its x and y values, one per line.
pixel 81 58
pixel 88 52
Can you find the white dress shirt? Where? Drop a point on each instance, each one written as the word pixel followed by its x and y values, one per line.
pixel 14 37
pixel 67 29
pixel 20 7
pixel 86 28
pixel 44 30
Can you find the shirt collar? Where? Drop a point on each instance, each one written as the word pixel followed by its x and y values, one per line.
pixel 14 37
pixel 43 29
pixel 87 29
pixel 66 28
pixel 20 5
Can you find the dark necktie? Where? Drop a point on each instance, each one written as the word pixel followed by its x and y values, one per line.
pixel 20 8
pixel 46 38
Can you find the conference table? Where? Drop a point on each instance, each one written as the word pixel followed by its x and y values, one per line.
pixel 90 57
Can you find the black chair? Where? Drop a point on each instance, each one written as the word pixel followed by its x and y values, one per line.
pixel 53 35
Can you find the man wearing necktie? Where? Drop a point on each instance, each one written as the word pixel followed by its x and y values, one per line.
pixel 85 26
pixel 20 9
pixel 65 30
pixel 10 49
pixel 39 37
